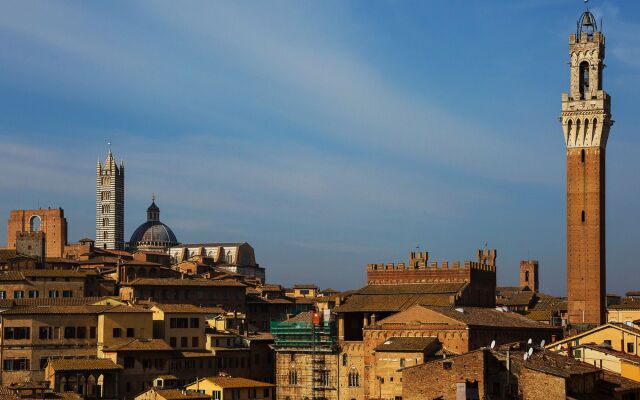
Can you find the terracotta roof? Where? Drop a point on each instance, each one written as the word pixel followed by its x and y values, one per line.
pixel 516 299
pixel 55 309
pixel 413 288
pixel 268 300
pixel 555 364
pixel 626 304
pixel 623 384
pixel 59 301
pixel 57 273
pixel 539 315
pixel 139 345
pixel 480 316
pixel 126 309
pixel 306 316
pixel 229 382
pixel 140 263
pixel 392 302
pixel 305 286
pixel 90 364
pixel 607 350
pixel 181 282
pixel 188 309
pixel 177 394
pixel 408 344
pixel 8 276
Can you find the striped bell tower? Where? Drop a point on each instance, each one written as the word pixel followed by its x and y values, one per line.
pixel 110 204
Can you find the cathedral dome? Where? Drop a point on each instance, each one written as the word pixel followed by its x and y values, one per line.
pixel 153 234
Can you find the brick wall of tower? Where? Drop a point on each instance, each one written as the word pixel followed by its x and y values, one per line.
pixel 529 274
pixel 586 284
pixel 52 223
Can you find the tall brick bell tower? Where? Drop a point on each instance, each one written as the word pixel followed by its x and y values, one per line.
pixel 586 120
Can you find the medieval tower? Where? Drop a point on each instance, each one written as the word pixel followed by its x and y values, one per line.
pixel 110 204
pixel 586 119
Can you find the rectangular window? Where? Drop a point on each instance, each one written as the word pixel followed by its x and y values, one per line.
pixel 19 333
pixel 18 294
pixel 92 332
pixel 117 332
pixel 33 294
pixel 266 393
pixel 172 341
pixel 216 395
pixel 252 393
pixel 43 362
pixel 630 348
pixel 607 343
pixel 194 341
pixel 184 341
pixel 69 332
pixel 3 294
pixel 402 362
pixel 577 353
pixel 16 364
pixel 235 394
pixel 53 294
pixel 81 332
pixel 67 293
pixel 194 323
pixel 45 333
pixel 130 332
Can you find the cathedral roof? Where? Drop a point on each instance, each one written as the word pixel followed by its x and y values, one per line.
pixel 153 233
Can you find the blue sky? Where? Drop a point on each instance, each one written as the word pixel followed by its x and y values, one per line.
pixel 327 134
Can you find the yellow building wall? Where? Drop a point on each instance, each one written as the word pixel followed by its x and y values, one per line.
pixel 599 359
pixel 618 339
pixel 623 316
pixel 142 323
pixel 208 387
pixel 630 371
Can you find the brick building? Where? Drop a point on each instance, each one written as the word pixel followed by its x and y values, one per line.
pixel 51 222
pixel 504 373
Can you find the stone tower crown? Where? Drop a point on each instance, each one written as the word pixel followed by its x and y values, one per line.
pixel 586 116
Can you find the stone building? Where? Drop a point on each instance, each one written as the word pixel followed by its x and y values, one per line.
pixel 237 258
pixel 110 204
pixel 586 120
pixel 50 222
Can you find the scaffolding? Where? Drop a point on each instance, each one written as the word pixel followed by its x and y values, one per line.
pixel 302 335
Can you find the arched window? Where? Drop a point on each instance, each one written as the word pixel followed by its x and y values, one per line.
pixel 105 221
pixel 354 378
pixel 34 223
pixel 526 276
pixel 293 377
pixel 345 359
pixel 584 79
pixel 105 235
pixel 582 155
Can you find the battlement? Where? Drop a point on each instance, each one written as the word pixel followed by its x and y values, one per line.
pixel 486 261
